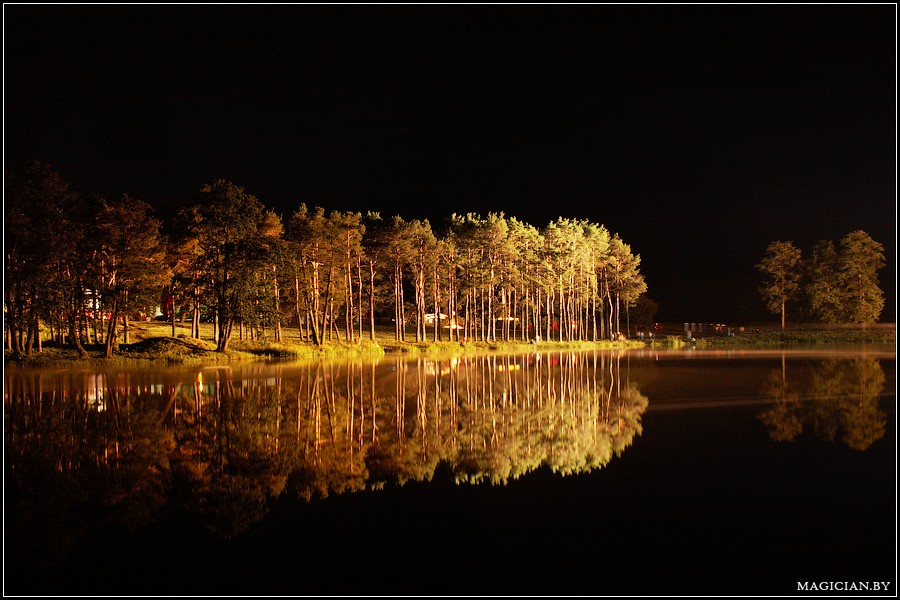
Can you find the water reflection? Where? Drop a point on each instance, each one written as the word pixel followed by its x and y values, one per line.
pixel 96 450
pixel 836 398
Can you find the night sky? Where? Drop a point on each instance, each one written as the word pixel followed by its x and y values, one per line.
pixel 697 133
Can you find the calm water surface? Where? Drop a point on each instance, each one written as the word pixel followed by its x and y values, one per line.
pixel 588 473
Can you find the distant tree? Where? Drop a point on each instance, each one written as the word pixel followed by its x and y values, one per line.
pixel 782 267
pixel 859 261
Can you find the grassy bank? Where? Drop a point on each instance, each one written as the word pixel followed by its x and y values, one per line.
pixel 153 343
pixel 777 338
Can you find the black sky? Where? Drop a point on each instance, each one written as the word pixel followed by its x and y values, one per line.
pixel 698 133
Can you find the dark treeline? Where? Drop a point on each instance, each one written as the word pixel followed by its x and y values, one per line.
pixel 77 265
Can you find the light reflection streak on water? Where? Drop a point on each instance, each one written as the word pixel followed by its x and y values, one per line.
pixel 876 351
pixel 687 404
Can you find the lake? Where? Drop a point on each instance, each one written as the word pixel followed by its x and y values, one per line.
pixel 638 472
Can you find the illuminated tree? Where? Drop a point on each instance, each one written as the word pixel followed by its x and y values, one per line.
pixel 133 261
pixel 398 250
pixel 628 282
pixel 782 267
pixel 859 261
pixel 823 288
pixel 268 308
pixel 228 225
pixel 598 240
pixel 422 247
pixel 526 242
pixel 375 247
pixel 842 285
pixel 465 235
pixel 351 230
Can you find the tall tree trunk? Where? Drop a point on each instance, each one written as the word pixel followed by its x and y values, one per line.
pixel 348 310
pixel 327 305
pixel 297 309
pixel 484 316
pixel 225 329
pixel 173 314
pixel 314 324
pixel 111 329
pixel 277 325
pixel 437 308
pixel 196 317
pixel 402 309
pixel 372 300
pixel 451 307
pixel 466 332
pixel 612 311
pixel 37 335
pixel 618 319
pixel 549 312
pixel 396 306
pixel 29 337
pixel 561 315
pixel 76 339
pixel 359 289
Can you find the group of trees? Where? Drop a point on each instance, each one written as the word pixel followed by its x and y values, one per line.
pixel 75 263
pixel 834 285
pixel 72 260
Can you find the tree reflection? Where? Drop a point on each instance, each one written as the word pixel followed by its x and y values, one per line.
pixel 77 461
pixel 217 448
pixel 838 399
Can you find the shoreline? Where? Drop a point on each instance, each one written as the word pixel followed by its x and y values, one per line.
pixel 167 350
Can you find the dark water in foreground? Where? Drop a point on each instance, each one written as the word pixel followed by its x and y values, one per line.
pixel 592 473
